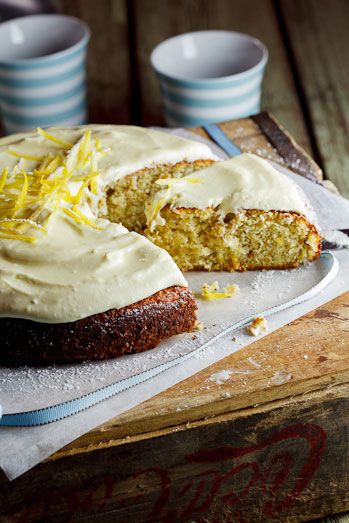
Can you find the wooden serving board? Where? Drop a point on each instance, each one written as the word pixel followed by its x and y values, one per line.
pixel 271 443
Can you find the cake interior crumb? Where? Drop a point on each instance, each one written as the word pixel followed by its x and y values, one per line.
pixel 257 327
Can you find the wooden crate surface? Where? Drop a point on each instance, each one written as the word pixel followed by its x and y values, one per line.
pixel 271 369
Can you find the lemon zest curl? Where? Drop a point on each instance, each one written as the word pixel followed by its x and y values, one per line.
pixel 211 291
pixel 62 181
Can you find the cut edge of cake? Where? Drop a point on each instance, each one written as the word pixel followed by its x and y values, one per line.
pixel 237 215
pixel 125 199
pixel 244 240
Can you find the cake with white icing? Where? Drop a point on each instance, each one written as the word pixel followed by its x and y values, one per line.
pixel 73 285
pixel 240 214
pixel 77 279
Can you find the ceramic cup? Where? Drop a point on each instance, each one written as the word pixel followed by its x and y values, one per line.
pixel 42 72
pixel 209 76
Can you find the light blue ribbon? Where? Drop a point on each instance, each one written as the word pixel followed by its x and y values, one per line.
pixel 64 410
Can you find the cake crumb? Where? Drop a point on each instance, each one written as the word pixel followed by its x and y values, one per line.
pixel 257 327
pixel 212 291
pixel 199 326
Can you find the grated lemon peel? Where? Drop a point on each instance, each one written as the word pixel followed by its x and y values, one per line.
pixel 54 139
pixel 80 218
pixel 13 236
pixel 164 197
pixel 212 291
pixel 24 156
pixel 3 178
pixel 22 194
pixel 28 198
pixel 161 200
pixel 169 182
pixel 7 222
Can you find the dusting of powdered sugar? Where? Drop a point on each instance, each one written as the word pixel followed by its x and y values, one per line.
pixel 223 375
pixel 280 377
pixel 56 383
pixel 255 363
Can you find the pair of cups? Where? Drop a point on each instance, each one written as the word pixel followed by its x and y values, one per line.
pixel 205 76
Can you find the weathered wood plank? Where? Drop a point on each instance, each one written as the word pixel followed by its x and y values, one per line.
pixel 336 518
pixel 262 134
pixel 109 73
pixel 157 20
pixel 318 32
pixel 294 360
pixel 281 462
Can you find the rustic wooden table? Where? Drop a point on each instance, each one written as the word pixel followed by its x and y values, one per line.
pixel 257 446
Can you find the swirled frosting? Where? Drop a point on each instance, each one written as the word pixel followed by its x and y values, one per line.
pixel 243 182
pixel 75 271
pixel 72 270
pixel 127 148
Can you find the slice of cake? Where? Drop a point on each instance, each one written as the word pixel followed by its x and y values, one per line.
pixel 237 215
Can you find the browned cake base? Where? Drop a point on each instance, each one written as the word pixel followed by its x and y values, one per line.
pixel 135 328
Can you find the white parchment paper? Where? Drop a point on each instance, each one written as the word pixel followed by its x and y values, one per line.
pixel 29 388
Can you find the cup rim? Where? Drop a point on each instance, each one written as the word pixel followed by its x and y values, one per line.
pixel 219 79
pixel 53 56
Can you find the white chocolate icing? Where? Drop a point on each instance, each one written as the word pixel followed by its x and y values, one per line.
pixel 128 148
pixel 243 182
pixel 74 271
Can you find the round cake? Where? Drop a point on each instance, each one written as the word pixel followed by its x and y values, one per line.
pixel 74 285
pixel 97 222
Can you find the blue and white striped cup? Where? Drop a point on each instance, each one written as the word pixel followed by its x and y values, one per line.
pixel 209 76
pixel 42 72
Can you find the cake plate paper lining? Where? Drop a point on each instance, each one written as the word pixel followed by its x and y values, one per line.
pixel 30 388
